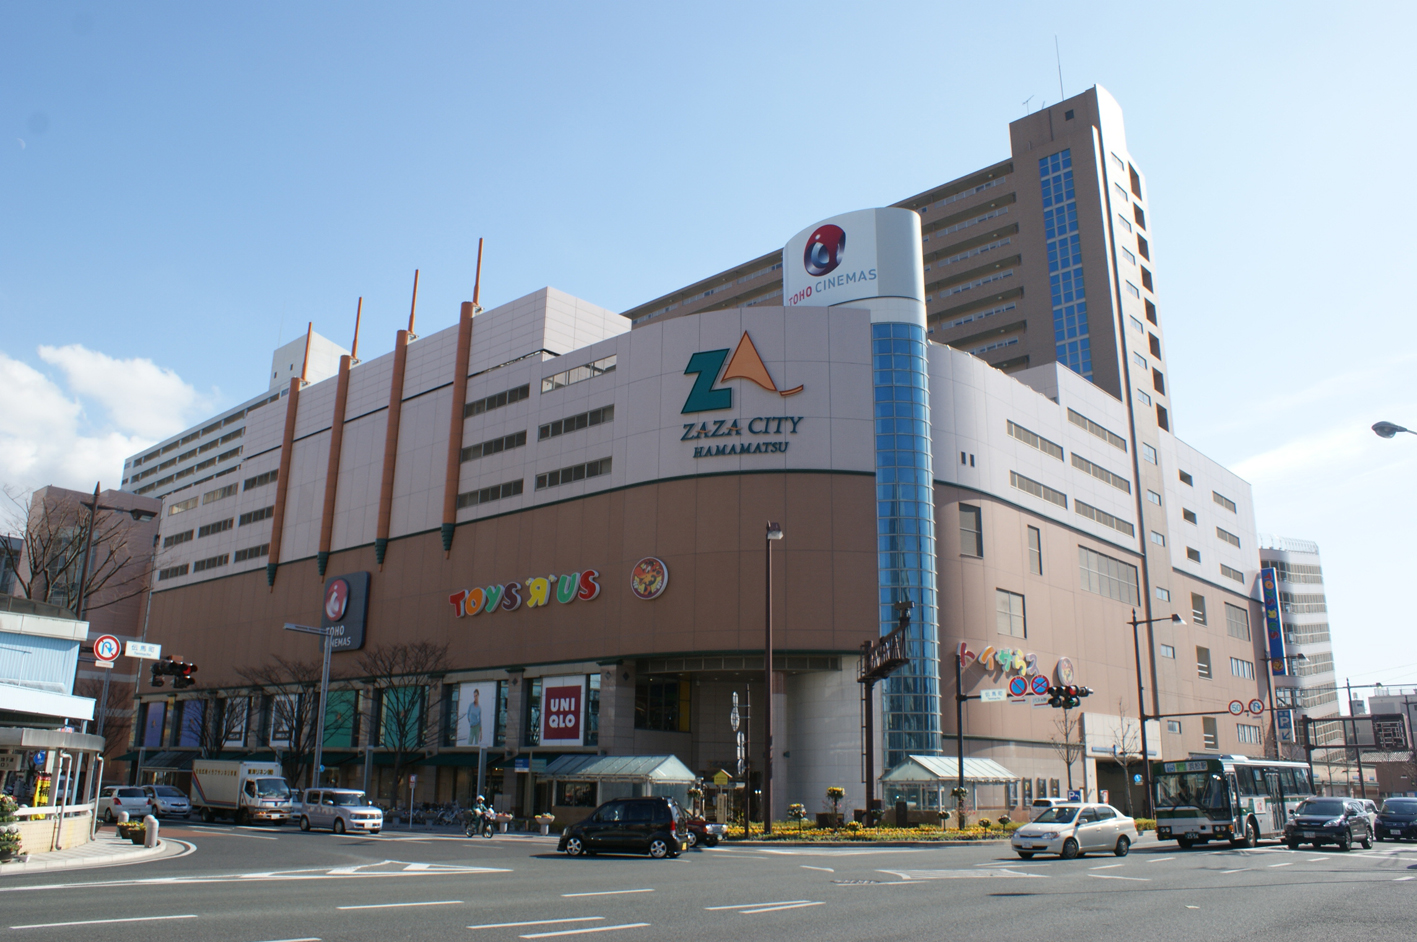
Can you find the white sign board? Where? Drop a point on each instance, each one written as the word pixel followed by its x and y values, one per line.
pixel 997 695
pixel 10 762
pixel 871 253
pixel 141 649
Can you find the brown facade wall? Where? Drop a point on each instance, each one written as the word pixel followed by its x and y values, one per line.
pixel 708 531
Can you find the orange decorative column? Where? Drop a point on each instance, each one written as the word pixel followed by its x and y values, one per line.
pixel 455 427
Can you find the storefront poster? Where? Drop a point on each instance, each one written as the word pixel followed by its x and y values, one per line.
pixel 562 711
pixel 477 714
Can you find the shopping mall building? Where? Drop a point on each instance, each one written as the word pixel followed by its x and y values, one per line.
pixel 574 501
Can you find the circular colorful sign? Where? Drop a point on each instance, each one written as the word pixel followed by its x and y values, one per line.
pixel 1040 685
pixel 1065 671
pixel 1018 686
pixel 106 647
pixel 336 600
pixel 649 578
pixel 1236 708
pixel 1257 706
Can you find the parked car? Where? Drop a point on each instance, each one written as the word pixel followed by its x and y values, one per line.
pixel 1338 821
pixel 341 810
pixel 645 825
pixel 1397 821
pixel 1041 805
pixel 114 799
pixel 168 802
pixel 1071 829
pixel 1371 811
pixel 698 831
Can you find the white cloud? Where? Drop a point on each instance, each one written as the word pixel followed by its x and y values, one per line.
pixel 48 436
pixel 139 396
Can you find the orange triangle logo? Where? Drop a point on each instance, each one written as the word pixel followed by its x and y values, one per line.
pixel 747 364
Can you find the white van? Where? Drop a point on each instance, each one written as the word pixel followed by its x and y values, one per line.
pixel 341 810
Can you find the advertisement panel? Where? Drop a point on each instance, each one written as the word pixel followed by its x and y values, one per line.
pixel 346 606
pixel 477 714
pixel 871 253
pixel 562 711
pixel 1273 624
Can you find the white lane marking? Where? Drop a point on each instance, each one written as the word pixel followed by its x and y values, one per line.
pixel 102 922
pixel 959 874
pixel 536 922
pixel 306 939
pixel 440 902
pixel 1106 867
pixel 1160 859
pixel 1402 879
pixel 1287 863
pixel 1188 906
pixel 1315 859
pixel 784 902
pixel 605 893
pixel 822 852
pixel 827 869
pixel 1240 870
pixel 316 873
pixel 778 909
pixel 1109 876
pixel 628 925
pixel 227 832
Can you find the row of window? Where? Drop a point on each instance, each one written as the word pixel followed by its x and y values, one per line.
pixel 980 315
pixel 261 480
pixel 255 516
pixel 493 446
pixel 579 374
pixel 1306 634
pixel 576 472
pixel 970 253
pixel 993 214
pixel 1295 573
pixel 212 562
pixel 576 422
pixel 252 552
pixel 218 424
pixel 1293 604
pixel 176 538
pixel 1106 434
pixel 1103 517
pixel 487 494
pixel 497 400
pixel 215 527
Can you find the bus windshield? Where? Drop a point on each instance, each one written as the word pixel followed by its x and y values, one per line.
pixel 1198 789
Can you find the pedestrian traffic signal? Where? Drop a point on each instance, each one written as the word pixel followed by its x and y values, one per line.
pixel 180 671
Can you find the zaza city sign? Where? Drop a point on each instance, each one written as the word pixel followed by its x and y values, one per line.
pixel 706 395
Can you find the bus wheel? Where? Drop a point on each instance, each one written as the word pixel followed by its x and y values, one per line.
pixel 1251 836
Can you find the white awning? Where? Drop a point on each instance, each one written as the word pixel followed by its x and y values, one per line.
pixel 15 699
pixel 944 770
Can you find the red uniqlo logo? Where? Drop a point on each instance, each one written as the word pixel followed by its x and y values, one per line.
pixel 561 714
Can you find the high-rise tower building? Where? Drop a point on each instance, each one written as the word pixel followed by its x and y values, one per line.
pixel 1306 684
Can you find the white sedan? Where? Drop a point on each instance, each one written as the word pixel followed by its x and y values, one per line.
pixel 1075 828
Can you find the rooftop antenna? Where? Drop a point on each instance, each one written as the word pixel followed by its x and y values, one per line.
pixel 1057 52
pixel 309 332
pixel 477 281
pixel 413 306
pixel 1026 109
pixel 354 353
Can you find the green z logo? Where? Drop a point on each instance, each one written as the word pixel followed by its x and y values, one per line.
pixel 703 397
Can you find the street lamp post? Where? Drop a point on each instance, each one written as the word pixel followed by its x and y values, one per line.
pixel 1390 429
pixel 774 532
pixel 327 636
pixel 1269 676
pixel 1141 696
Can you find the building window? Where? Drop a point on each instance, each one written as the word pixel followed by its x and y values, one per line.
pixel 1104 518
pixel 1009 614
pixel 1102 474
pixel 220 493
pixel 531 732
pixel 1209 735
pixel 219 526
pixel 260 480
pixel 1198 608
pixel 1242 668
pixel 497 400
pixel 182 506
pixel 1136 324
pixel 1158 538
pixel 971 531
pixel 1108 577
pixel 1146 279
pixel 1143 396
pixel 576 422
pixel 1163 421
pixel 1228 537
pixel 213 562
pixel 1143 249
pixel 579 374
pixel 172 572
pixel 499 732
pixel 486 494
pixel 1148 453
pixel 254 552
pixel 1203 663
pixel 1121 193
pixel 592 710
pixel 1186 479
pixel 1139 360
pixel 1124 222
pixel 1035 551
pixel 493 446
pixel 1133 290
pixel 662 705
pixel 575 794
pixel 1154 497
pixel 1139 216
pixel 1305 634
pixel 1223 501
pixel 1108 436
pixel 176 538
pixel 1158 382
pixel 1193 554
pixel 1188 515
pixel 1173 727
pixel 1060 225
pixel 1297 573
pixel 1247 734
pixel 1168 651
pixel 1163 594
pixel 1052 449
pixel 576 472
pixel 1231 573
pixel 255 516
pixel 1129 256
pixel 1030 486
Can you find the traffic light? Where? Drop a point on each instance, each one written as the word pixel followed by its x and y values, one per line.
pixel 180 671
pixel 1067 697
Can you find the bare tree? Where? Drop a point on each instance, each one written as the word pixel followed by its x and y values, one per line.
pixel 117 726
pixel 47 559
pixel 294 690
pixel 407 682
pixel 223 722
pixel 1126 748
pixel 1063 743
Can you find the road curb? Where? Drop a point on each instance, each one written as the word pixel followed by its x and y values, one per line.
pixel 85 857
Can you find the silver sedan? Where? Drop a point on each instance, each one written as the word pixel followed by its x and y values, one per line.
pixel 1075 828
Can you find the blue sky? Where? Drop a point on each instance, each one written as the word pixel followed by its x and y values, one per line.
pixel 183 185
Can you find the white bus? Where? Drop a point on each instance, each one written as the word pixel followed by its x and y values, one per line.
pixel 1236 798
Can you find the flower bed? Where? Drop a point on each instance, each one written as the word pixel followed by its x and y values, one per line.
pixel 853 831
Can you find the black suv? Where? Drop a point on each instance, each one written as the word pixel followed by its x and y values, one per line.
pixel 1338 821
pixel 647 825
pixel 1398 820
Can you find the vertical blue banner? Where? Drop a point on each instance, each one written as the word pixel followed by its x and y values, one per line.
pixel 1274 626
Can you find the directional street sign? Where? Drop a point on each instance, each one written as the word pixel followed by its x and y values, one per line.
pixel 1256 706
pixel 996 695
pixel 106 647
pixel 1236 708
pixel 139 649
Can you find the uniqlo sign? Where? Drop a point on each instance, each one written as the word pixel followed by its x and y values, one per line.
pixel 562 701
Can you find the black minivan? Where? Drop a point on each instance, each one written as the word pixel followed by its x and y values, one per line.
pixel 644 825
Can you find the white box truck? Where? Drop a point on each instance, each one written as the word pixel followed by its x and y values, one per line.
pixel 248 792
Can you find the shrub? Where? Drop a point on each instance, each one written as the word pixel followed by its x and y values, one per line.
pixel 1146 824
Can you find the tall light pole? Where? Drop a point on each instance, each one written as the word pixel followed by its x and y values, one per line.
pixel 327 637
pixel 774 532
pixel 1141 695
pixel 1390 429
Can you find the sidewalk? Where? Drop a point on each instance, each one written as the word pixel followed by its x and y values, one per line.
pixel 103 851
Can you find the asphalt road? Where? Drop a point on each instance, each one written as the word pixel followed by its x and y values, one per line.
pixel 262 884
